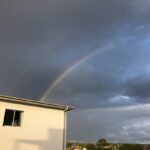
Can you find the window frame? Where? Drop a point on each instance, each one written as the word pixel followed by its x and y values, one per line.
pixel 13 118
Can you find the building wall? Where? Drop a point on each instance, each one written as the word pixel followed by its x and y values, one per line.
pixel 41 129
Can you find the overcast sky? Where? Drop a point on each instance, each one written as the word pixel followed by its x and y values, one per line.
pixel 91 54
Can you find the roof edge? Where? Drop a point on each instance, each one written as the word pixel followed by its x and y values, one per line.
pixel 37 103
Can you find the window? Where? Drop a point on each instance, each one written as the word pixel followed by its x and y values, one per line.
pixel 12 118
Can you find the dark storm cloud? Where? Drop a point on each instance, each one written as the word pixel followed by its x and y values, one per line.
pixel 31 21
pixel 87 87
pixel 139 87
pixel 105 79
pixel 39 40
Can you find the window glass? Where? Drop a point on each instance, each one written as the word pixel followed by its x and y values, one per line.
pixel 8 119
pixel 17 118
pixel 12 118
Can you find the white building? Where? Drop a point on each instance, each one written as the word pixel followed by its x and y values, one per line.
pixel 31 125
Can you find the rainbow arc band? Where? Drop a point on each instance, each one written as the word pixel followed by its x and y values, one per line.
pixel 73 67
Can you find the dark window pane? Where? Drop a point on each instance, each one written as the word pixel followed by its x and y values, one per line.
pixel 17 118
pixel 8 118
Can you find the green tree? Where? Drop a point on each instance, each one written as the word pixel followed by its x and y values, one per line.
pixel 100 144
pixel 90 146
pixel 131 147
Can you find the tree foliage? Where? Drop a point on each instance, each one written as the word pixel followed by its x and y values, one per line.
pixel 131 147
pixel 102 144
pixel 90 146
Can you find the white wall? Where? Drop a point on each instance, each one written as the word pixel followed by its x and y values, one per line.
pixel 41 129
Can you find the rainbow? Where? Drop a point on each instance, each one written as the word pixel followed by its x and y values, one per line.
pixel 71 68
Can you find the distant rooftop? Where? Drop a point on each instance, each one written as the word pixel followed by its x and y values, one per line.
pixel 30 102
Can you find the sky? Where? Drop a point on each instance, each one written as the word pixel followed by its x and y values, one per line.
pixel 90 54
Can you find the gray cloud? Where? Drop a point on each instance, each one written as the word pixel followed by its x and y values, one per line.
pixel 31 21
pixel 128 124
pixel 138 87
